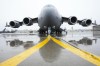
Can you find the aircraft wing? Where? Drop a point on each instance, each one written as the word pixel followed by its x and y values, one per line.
pixel 73 20
pixel 26 21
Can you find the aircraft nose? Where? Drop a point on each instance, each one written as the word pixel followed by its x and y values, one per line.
pixel 49 16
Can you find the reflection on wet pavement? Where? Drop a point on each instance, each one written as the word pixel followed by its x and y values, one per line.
pixel 51 54
pixel 17 43
pixel 84 41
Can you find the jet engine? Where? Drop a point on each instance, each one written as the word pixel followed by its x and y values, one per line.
pixel 15 24
pixel 72 20
pixel 85 22
pixel 28 21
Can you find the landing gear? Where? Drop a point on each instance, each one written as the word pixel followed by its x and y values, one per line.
pixel 59 31
pixel 42 31
pixel 50 31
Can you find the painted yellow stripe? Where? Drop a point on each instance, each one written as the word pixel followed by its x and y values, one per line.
pixel 14 61
pixel 87 56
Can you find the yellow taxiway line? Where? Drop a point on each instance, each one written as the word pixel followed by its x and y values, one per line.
pixel 14 61
pixel 85 55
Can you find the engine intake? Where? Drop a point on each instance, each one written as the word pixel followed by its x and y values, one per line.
pixel 86 22
pixel 14 24
pixel 72 20
pixel 28 21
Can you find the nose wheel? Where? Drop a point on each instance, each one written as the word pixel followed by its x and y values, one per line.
pixel 49 30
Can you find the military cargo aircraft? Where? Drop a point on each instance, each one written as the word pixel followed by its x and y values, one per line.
pixel 50 21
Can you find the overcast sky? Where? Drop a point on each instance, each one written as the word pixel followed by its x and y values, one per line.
pixel 18 9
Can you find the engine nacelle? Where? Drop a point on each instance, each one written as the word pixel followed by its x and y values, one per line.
pixel 14 24
pixel 72 20
pixel 28 21
pixel 86 22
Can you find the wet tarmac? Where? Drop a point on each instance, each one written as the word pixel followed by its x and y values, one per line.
pixel 50 54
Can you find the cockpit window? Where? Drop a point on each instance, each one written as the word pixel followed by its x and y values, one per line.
pixel 49 6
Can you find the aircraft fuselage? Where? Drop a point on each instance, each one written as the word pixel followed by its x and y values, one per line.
pixel 49 17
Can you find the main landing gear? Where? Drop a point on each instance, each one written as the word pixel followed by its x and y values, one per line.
pixel 51 31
